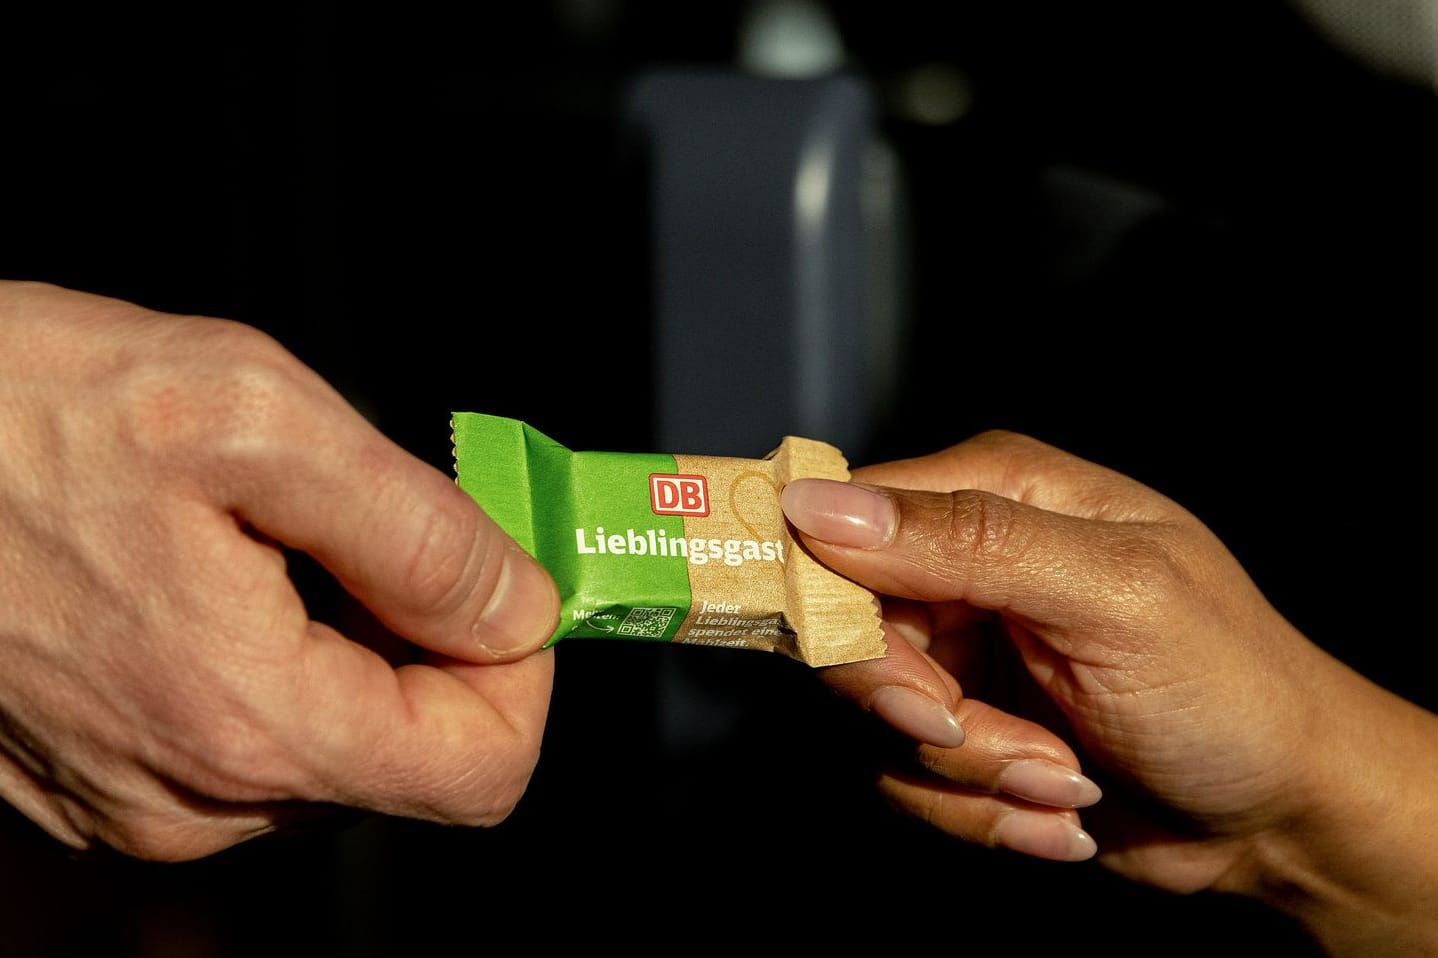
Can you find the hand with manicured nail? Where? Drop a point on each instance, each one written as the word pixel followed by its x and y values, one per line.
pixel 163 688
pixel 1043 611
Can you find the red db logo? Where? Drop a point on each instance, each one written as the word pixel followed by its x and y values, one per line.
pixel 678 495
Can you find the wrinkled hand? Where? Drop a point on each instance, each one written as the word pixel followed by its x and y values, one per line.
pixel 1040 608
pixel 163 689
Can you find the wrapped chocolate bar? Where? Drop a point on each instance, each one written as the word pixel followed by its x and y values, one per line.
pixel 670 548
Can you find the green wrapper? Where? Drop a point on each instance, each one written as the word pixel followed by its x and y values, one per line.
pixel 669 548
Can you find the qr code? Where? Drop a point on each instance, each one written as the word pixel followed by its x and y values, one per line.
pixel 646 623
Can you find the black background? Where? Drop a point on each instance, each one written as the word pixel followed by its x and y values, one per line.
pixel 428 205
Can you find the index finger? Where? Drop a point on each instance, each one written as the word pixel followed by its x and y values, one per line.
pixel 443 741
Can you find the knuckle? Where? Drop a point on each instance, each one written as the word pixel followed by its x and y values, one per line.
pixel 1002 437
pixel 1149 577
pixel 233 406
pixel 982 528
pixel 449 560
pixel 928 808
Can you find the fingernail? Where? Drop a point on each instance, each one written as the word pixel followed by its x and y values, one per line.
pixel 917 716
pixel 840 512
pixel 522 612
pixel 910 633
pixel 1044 835
pixel 1048 783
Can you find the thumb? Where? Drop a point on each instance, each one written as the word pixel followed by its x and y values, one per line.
pixel 1045 568
pixel 972 547
pixel 397 533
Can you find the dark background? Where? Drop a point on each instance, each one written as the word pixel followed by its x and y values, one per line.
pixel 1193 242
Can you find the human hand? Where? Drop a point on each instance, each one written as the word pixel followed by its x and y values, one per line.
pixel 1053 609
pixel 163 689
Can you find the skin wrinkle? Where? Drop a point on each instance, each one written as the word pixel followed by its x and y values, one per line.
pixel 930 807
pixel 265 811
pixel 436 585
pixel 981 528
pixel 22 753
pixel 61 815
pixel 1172 785
pixel 461 783
pixel 1107 708
pixel 501 792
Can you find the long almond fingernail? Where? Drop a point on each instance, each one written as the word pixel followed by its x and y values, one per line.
pixel 840 513
pixel 1048 783
pixel 1044 835
pixel 917 716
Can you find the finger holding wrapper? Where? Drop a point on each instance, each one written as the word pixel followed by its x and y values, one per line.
pixel 670 548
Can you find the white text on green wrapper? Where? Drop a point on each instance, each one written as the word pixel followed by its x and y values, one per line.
pixel 654 542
